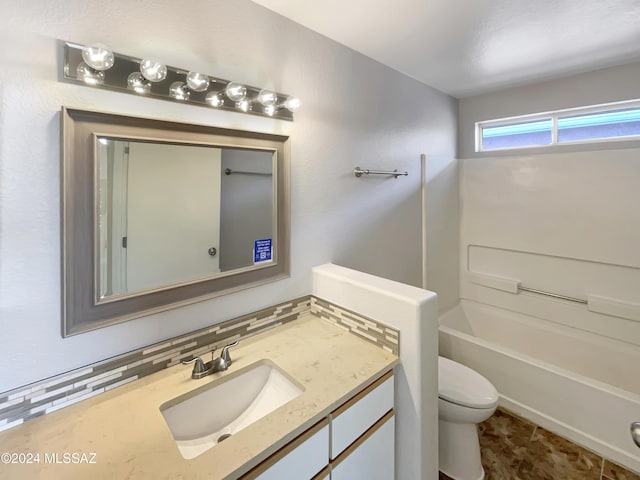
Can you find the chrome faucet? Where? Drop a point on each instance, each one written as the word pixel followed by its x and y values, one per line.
pixel 220 364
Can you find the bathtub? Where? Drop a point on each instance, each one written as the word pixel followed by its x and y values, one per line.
pixel 579 385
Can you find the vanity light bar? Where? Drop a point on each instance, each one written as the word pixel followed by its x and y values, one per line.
pixel 99 67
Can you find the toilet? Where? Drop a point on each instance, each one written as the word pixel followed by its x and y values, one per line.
pixel 465 398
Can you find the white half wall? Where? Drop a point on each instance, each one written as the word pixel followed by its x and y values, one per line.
pixel 414 312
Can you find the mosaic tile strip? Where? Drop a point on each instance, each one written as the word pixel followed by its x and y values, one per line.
pixel 370 330
pixel 51 394
pixel 54 393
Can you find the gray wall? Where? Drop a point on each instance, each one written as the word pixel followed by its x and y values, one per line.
pixel 246 214
pixel 592 88
pixel 355 112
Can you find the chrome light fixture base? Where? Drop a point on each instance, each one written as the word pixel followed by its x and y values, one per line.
pixel 118 77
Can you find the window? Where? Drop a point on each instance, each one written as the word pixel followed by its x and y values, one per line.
pixel 619 121
pixel 611 124
pixel 515 135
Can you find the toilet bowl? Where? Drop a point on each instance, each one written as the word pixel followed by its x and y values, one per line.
pixel 465 398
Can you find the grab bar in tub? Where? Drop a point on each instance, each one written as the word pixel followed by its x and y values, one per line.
pixel 513 286
pixel 554 295
pixel 594 303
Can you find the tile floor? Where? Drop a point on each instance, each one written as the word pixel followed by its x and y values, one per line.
pixel 514 449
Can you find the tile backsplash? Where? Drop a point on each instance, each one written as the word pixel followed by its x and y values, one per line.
pixel 51 394
pixel 385 337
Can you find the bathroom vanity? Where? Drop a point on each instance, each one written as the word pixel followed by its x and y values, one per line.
pixel 357 439
pixel 340 425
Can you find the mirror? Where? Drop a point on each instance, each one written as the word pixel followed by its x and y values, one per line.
pixel 160 214
pixel 170 214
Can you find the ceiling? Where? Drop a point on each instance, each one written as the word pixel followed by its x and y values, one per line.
pixel 467 47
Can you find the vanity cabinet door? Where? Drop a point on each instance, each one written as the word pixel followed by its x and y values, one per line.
pixel 301 459
pixel 358 446
pixel 357 415
pixel 323 475
pixel 371 457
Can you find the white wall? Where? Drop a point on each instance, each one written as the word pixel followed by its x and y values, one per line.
pixel 564 220
pixel 355 112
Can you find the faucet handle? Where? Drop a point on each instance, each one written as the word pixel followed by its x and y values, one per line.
pixel 198 369
pixel 225 352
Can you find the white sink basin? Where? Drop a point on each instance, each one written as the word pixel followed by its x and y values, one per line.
pixel 200 418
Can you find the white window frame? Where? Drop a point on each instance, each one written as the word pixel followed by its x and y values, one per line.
pixel 554 116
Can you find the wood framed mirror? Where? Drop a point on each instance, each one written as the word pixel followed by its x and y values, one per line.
pixel 158 214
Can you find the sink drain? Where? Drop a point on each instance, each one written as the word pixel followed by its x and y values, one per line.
pixel 223 437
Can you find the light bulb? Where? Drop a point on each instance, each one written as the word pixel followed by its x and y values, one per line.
pixel 137 83
pixel 89 75
pixel 267 97
pixel 179 91
pixel 292 104
pixel 152 70
pixel 270 110
pixel 214 99
pixel 98 57
pixel 236 91
pixel 243 105
pixel 197 81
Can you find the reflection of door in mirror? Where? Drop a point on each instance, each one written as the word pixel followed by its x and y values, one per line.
pixel 173 214
pixel 165 216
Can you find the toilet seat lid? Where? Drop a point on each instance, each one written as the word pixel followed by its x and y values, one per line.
pixel 461 385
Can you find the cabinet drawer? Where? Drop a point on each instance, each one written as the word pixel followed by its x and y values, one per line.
pixel 371 457
pixel 356 416
pixel 301 459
